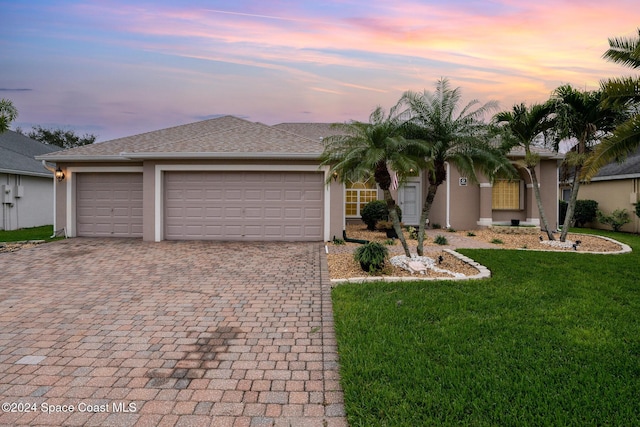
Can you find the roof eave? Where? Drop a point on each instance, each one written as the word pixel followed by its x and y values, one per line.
pixel 616 177
pixel 26 173
pixel 229 156
pixel 80 158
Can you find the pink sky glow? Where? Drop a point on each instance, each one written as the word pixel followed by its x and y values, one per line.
pixel 117 68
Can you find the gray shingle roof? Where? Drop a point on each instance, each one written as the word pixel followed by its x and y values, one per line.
pixel 17 154
pixel 630 168
pixel 222 137
pixel 315 131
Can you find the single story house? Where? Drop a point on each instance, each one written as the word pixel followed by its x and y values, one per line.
pixel 616 186
pixel 26 187
pixel 232 179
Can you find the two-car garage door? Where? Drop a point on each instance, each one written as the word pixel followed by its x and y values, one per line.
pixel 243 205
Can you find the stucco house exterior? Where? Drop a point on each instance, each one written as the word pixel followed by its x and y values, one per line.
pixel 26 187
pixel 232 179
pixel 616 186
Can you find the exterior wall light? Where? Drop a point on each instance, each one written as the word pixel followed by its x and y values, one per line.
pixel 335 176
pixel 59 174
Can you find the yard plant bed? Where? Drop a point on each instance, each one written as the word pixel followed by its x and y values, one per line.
pixel 342 265
pixel 550 339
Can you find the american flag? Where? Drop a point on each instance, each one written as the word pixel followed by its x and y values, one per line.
pixel 394 179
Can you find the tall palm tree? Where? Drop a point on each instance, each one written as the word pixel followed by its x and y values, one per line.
pixel 623 92
pixel 8 114
pixel 525 125
pixel 451 134
pixel 372 149
pixel 583 117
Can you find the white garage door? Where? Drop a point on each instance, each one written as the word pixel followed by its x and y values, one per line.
pixel 243 206
pixel 109 204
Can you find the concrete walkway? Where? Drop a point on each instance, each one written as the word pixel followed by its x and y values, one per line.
pixel 131 333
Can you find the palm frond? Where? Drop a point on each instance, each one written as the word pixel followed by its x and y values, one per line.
pixel 624 50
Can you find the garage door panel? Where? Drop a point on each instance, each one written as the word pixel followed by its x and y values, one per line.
pixel 272 213
pixel 273 195
pixel 292 195
pixel 109 204
pixel 312 196
pixel 246 206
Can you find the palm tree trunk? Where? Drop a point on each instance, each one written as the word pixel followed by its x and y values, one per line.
pixel 426 208
pixel 393 215
pixel 536 191
pixel 571 207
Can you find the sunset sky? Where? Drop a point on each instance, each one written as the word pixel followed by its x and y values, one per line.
pixel 117 68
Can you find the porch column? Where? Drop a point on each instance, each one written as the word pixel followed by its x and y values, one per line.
pixel 486 211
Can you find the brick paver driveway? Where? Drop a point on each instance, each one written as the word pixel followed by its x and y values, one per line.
pixel 125 332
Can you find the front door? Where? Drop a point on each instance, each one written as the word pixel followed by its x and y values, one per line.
pixel 409 199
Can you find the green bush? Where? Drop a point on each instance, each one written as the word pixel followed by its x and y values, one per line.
pixel 371 256
pixel 440 240
pixel 373 212
pixel 376 211
pixel 586 211
pixel 616 220
pixel 637 209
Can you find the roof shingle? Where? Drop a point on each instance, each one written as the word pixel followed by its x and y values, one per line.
pixel 17 154
pixel 227 134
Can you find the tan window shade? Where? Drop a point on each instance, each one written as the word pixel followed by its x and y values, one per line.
pixel 506 195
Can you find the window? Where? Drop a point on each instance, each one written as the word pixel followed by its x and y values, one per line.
pixel 506 195
pixel 358 194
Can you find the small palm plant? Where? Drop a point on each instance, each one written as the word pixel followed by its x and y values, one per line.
pixel 371 256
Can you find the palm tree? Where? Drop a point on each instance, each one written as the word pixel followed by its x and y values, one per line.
pixel 583 117
pixel 525 125
pixel 450 135
pixel 366 149
pixel 623 92
pixel 8 114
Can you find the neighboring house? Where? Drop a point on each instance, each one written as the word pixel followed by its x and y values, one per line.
pixel 232 179
pixel 26 187
pixel 616 186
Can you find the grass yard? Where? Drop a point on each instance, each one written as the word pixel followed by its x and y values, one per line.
pixel 35 233
pixel 552 339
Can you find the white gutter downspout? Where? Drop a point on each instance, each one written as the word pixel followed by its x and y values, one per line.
pixel 448 194
pixel 53 171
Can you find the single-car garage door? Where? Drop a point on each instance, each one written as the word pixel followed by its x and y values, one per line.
pixel 243 206
pixel 109 204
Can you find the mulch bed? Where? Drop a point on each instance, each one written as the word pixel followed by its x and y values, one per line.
pixel 343 266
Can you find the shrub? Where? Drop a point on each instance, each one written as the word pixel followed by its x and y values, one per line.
pixel 471 234
pixel 616 220
pixel 371 256
pixel 586 211
pixel 440 240
pixel 413 233
pixel 497 242
pixel 637 209
pixel 376 211
pixel 390 242
pixel 373 212
pixel 436 226
pixel 337 241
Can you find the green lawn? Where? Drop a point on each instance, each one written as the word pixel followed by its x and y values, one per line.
pixel 552 339
pixel 34 233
